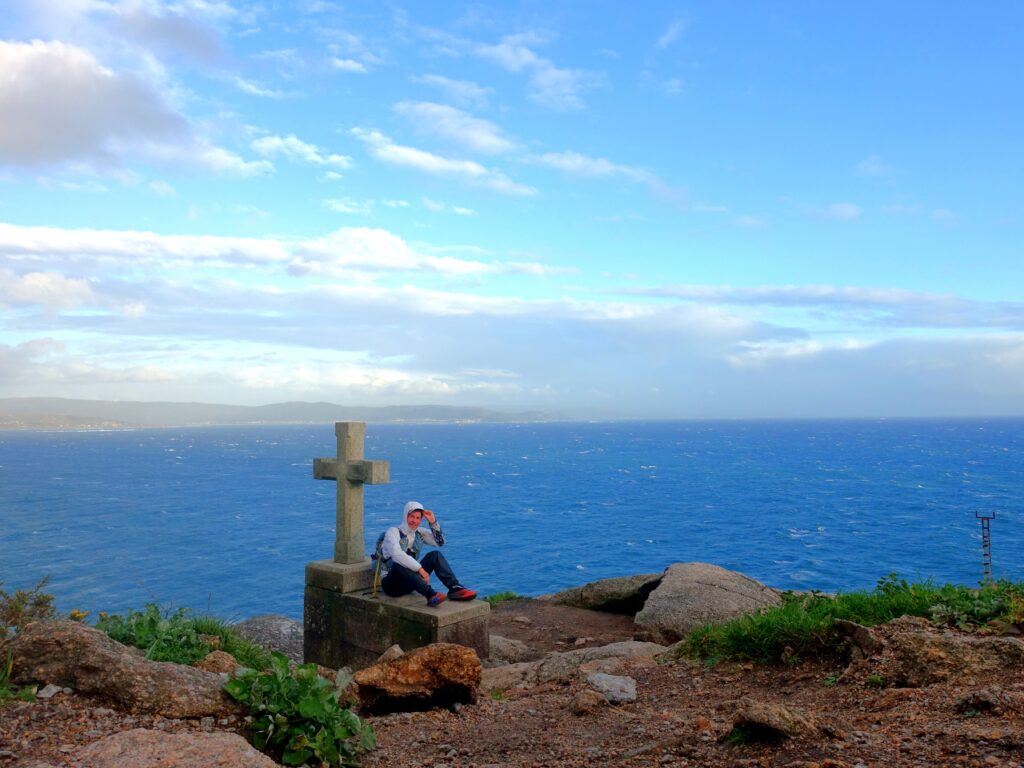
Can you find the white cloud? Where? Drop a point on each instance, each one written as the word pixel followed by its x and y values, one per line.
pixel 471 133
pixel 464 92
pixel 578 164
pixel 255 89
pixel 162 188
pixel 750 222
pixel 549 86
pixel 873 166
pixel 350 205
pixel 48 289
pixel 435 206
pixel 843 211
pixel 752 354
pixel 382 148
pixel 670 35
pixel 60 106
pixel 297 150
pixel 349 65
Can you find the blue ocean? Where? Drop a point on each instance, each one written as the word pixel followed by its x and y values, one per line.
pixel 224 519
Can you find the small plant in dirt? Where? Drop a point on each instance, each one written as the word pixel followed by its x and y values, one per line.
pixel 9 691
pixel 831 681
pixel 502 597
pixel 298 715
pixel 876 681
pixel 179 637
pixel 24 606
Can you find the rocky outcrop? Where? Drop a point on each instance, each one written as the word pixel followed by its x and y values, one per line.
pixel 564 667
pixel 626 594
pixel 692 594
pixel 617 689
pixel 437 675
pixel 917 659
pixel 73 655
pixel 143 748
pixel 506 651
pixel 761 721
pixel 218 661
pixel 275 633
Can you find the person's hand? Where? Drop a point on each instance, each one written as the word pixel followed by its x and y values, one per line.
pixel 424 575
pixel 430 516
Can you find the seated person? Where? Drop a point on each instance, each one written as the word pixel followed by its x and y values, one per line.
pixel 398 549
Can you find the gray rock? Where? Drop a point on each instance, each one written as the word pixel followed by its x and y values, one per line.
pixel 275 633
pixel 509 651
pixel 762 721
pixel 563 667
pixel 692 594
pixel 626 594
pixel 509 676
pixel 143 748
pixel 69 653
pixel 392 652
pixel 615 688
pixel 49 691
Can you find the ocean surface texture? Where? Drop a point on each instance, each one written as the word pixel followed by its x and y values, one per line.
pixel 223 520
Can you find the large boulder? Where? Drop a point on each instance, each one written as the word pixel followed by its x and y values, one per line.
pixel 506 651
pixel 437 675
pixel 275 633
pixel 692 594
pixel 142 748
pixel 70 654
pixel 918 659
pixel 626 594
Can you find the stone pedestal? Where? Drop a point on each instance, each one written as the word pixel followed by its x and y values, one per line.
pixel 347 625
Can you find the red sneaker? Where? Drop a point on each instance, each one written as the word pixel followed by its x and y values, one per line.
pixel 461 594
pixel 435 600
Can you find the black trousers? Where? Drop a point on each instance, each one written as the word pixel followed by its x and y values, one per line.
pixel 401 581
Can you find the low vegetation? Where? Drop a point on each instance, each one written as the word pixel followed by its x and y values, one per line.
pixel 501 597
pixel 802 626
pixel 298 715
pixel 23 606
pixel 180 637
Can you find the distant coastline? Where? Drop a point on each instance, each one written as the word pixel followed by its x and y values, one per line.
pixel 65 414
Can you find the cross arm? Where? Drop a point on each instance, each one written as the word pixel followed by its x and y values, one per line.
pixel 371 472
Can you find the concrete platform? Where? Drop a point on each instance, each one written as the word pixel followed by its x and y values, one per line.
pixel 354 628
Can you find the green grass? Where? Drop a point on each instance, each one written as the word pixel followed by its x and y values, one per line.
pixel 801 626
pixel 7 690
pixel 178 636
pixel 501 597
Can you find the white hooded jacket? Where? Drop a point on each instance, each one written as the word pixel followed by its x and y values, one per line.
pixel 402 545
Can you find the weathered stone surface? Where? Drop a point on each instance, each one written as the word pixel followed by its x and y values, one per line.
pixel 562 667
pixel 617 689
pixel 626 594
pixel 441 674
pixel 391 653
pixel 917 659
pixel 991 700
pixel 771 722
pixel 142 748
pixel 508 651
pixel 586 701
pixel 275 633
pixel 74 655
pixel 861 639
pixel 509 676
pixel 692 594
pixel 218 661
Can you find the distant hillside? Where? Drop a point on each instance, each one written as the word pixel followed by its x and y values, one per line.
pixel 62 413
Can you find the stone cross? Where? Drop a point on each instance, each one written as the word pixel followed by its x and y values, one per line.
pixel 350 470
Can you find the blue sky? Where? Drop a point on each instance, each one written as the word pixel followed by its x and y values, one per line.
pixel 603 209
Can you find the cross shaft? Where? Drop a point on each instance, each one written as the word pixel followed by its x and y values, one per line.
pixel 350 471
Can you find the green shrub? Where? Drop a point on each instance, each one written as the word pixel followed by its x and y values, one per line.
pixel 802 626
pixel 23 607
pixel 297 715
pixel 179 637
pixel 501 597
